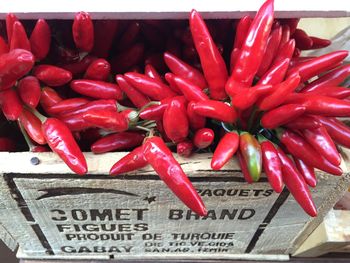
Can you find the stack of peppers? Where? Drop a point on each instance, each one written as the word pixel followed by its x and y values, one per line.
pixel 152 87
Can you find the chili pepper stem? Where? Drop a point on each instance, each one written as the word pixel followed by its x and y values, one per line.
pixel 252 117
pixel 26 137
pixel 151 103
pixel 143 128
pixel 38 114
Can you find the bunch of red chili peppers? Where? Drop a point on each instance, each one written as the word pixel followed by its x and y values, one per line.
pixel 232 87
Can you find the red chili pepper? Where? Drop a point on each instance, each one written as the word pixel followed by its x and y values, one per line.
pixel 286 32
pixel 7 145
pixel 323 144
pixel 184 70
pixel 332 78
pixel 319 42
pixel 136 97
pixel 184 148
pixel 301 149
pixel 68 105
pixel 292 23
pixel 134 160
pixel 281 115
pixel 169 170
pixel 14 65
pixel 203 138
pixel 176 128
pixel 128 58
pixel 321 105
pixel 318 65
pixel 157 61
pixel 32 126
pixel 19 39
pixel 213 64
pixel 61 141
pixel 4 48
pixel 196 121
pixel 170 78
pixel 286 51
pixel 97 89
pixel 296 53
pixel 339 132
pixel 248 96
pixel 242 31
pixel 83 32
pixel 29 90
pixel 216 110
pixel 227 147
pixel 102 41
pixel 40 39
pixel 279 93
pixel 75 122
pixel 252 51
pixel 11 105
pixel 304 122
pixel 109 120
pixel 271 164
pixel 10 20
pixel 129 36
pixel 233 58
pixel 52 75
pixel 80 66
pixel 151 72
pixel 244 168
pixel 148 86
pixel 117 141
pixel 302 39
pixel 99 69
pixel 307 172
pixel 296 184
pixel 275 74
pixel 107 105
pixel 271 50
pixel 49 97
pixel 191 91
pixel 332 91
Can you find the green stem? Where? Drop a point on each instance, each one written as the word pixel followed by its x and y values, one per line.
pixel 252 117
pixel 26 137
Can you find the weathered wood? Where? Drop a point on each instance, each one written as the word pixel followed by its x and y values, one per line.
pixel 60 215
pixel 154 9
pixel 333 234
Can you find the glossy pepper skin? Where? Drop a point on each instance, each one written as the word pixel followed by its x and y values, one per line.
pixel 83 32
pixel 29 91
pixel 296 184
pixel 48 98
pixel 203 138
pixel 176 128
pixel 4 48
pixel 151 72
pixel 338 131
pixel 184 148
pixel 318 65
pixel 332 91
pixel 215 109
pixel 275 74
pixel 10 20
pixel 52 75
pixel 19 39
pixel 248 96
pixel 148 86
pixel 97 89
pixel 107 105
pixel 68 105
pixel 281 115
pixel 134 160
pixel 227 147
pixel 301 149
pixel 99 69
pixel 109 120
pixel 14 65
pixel 307 172
pixel 169 170
pixel 196 121
pixel 189 90
pixel 285 52
pixel 184 70
pixel 11 104
pixel 135 96
pixel 32 126
pixel 251 151
pixel 40 39
pixel 213 64
pixel 252 50
pixel 62 142
pixel 117 141
pixel 304 122
pixel 244 168
pixel 271 164
pixel 242 31
pixel 323 144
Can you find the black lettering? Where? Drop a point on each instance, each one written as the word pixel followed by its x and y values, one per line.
pixel 109 227
pixel 211 214
pixel 59 212
pixel 124 227
pixel 105 214
pixel 190 214
pixel 90 227
pixel 219 192
pixel 119 214
pixel 68 249
pixel 99 249
pixel 244 192
pixel 231 192
pixel 206 192
pixel 84 250
pixel 140 213
pixel 79 215
pixel 246 214
pixel 141 227
pixel 268 192
pixel 257 192
pixel 229 214
pixel 62 228
pixel 175 214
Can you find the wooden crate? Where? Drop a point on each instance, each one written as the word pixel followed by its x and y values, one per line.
pixel 52 213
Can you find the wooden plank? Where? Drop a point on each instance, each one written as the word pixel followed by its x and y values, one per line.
pixel 154 9
pixel 60 215
pixel 330 236
pixel 6 237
